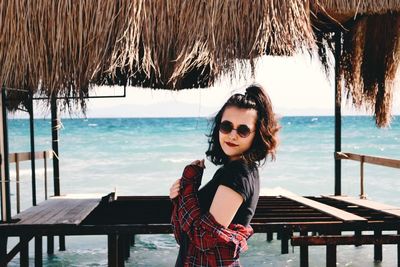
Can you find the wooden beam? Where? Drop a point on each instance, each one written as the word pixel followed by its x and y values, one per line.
pixel 344 240
pixel 334 212
pixel 7 258
pixel 25 156
pixel 380 207
pixel 393 163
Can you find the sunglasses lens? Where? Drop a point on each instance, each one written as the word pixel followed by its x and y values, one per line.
pixel 243 131
pixel 225 127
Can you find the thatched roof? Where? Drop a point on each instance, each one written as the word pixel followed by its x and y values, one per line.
pixel 65 47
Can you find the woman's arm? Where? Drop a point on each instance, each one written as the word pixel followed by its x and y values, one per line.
pixel 225 204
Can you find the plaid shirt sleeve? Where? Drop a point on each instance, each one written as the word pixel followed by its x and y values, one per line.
pixel 175 221
pixel 203 230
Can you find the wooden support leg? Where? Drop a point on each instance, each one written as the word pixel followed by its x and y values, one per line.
pixel 112 250
pixel 270 236
pixel 38 251
pixel 50 244
pixel 285 242
pixel 330 255
pixel 133 240
pixel 24 252
pixel 357 233
pixel 304 253
pixel 279 235
pixel 61 240
pixel 378 247
pixel 121 249
pixel 3 246
pixel 398 251
pixel 127 247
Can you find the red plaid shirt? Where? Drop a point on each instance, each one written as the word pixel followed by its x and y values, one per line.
pixel 210 243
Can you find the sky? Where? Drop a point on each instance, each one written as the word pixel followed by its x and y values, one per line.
pixel 296 85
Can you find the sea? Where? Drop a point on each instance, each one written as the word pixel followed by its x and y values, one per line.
pixel 144 156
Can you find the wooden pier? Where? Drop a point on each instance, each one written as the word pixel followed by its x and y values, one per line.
pixel 299 221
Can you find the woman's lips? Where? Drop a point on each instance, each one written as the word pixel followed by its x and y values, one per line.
pixel 230 144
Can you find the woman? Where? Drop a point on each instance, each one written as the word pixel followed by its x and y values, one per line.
pixel 212 224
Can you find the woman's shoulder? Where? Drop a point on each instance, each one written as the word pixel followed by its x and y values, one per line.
pixel 240 167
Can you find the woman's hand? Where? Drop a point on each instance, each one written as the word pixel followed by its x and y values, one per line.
pixel 174 190
pixel 199 163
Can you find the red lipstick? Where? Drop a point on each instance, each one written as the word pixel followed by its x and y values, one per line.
pixel 230 144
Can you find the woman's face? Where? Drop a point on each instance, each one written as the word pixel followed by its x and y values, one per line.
pixel 234 143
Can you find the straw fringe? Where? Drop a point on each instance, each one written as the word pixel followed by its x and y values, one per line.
pixel 359 6
pixel 369 66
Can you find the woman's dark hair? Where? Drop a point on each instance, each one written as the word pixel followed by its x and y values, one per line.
pixel 267 127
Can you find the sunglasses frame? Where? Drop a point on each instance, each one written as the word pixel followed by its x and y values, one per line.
pixel 239 133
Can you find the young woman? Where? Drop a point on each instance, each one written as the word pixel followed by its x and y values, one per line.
pixel 212 224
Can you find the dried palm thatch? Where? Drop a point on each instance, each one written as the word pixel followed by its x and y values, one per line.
pixel 167 39
pixel 370 59
pixel 371 49
pixel 63 47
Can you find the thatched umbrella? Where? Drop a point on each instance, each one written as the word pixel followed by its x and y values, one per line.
pixel 65 47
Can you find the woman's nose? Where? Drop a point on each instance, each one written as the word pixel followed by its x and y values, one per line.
pixel 233 134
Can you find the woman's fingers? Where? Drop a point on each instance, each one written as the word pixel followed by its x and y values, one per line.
pixel 174 190
pixel 198 163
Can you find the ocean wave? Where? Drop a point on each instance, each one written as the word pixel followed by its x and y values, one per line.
pixel 176 160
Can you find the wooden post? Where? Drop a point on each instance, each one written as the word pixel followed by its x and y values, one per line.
pixel 378 247
pixel 3 246
pixel 24 252
pixel 61 242
pixel 50 244
pixel 330 255
pixel 38 251
pixel 45 174
pixel 121 250
pixel 127 247
pixel 18 195
pixel 357 233
pixel 270 236
pixel 398 250
pixel 362 194
pixel 133 240
pixel 338 115
pixel 112 250
pixel 5 173
pixel 285 242
pixel 304 252
pixel 32 139
pixel 54 133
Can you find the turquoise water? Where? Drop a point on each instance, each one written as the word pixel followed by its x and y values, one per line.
pixel 144 156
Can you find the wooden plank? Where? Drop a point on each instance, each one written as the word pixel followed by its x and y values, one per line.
pixel 39 210
pixel 344 240
pixel 77 214
pixel 59 210
pixel 388 209
pixel 393 163
pixel 57 215
pixel 25 156
pixel 335 212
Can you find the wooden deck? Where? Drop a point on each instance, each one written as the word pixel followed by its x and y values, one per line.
pixel 303 220
pixel 68 209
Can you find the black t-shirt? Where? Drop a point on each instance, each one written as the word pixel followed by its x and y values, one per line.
pixel 240 177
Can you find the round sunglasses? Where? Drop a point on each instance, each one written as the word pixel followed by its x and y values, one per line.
pixel 242 130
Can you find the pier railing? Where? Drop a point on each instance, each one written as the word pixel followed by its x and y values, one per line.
pixel 387 162
pixel 26 156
